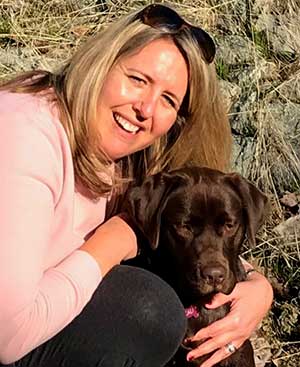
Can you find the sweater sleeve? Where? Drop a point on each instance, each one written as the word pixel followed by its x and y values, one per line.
pixel 35 303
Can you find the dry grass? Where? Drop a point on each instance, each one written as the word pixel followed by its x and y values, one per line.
pixel 37 33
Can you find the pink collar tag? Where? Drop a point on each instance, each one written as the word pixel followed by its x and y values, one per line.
pixel 192 311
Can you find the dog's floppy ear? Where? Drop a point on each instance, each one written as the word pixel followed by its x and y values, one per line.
pixel 146 202
pixel 255 204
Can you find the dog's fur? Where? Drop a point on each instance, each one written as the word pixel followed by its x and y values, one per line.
pixel 196 220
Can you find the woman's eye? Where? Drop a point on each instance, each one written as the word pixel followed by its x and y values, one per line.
pixel 169 101
pixel 137 79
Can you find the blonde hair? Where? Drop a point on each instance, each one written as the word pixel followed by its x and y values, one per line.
pixel 200 135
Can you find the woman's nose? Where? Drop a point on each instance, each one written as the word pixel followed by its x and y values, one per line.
pixel 145 106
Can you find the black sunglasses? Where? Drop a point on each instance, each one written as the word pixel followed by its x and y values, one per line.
pixel 162 17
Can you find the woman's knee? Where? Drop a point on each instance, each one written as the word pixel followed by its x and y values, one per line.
pixel 133 319
pixel 148 309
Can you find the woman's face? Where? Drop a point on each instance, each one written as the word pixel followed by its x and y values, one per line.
pixel 141 97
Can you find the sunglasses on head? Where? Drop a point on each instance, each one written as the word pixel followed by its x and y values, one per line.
pixel 162 17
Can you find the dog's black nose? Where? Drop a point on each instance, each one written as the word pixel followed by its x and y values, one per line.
pixel 213 275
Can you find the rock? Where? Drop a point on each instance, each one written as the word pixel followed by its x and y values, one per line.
pixel 262 350
pixel 284 116
pixel 281 39
pixel 289 227
pixel 235 50
pixel 290 89
pixel 24 59
pixel 264 70
pixel 231 93
pixel 242 155
pixel 289 200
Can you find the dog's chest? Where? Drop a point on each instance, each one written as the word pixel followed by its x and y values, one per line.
pixel 205 317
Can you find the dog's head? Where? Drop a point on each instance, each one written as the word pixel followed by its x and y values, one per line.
pixel 196 220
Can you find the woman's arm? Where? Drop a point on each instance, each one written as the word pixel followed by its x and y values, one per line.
pixel 113 242
pixel 44 281
pixel 250 302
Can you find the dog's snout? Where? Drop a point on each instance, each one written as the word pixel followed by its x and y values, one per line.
pixel 213 275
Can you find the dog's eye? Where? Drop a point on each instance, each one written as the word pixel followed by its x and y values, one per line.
pixel 183 229
pixel 230 226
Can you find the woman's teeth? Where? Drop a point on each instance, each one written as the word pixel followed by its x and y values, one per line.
pixel 125 124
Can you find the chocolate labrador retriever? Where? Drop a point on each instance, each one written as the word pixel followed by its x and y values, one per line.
pixel 196 220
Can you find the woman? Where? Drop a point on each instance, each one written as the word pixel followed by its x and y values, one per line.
pixel 139 97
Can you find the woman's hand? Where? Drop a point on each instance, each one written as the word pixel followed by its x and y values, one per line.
pixel 250 302
pixel 111 243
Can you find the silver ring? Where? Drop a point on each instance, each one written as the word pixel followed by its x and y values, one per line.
pixel 230 347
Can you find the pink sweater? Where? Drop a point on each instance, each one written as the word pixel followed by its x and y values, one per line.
pixel 45 281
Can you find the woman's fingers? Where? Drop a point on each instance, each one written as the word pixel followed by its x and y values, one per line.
pixel 219 299
pixel 229 323
pixel 213 344
pixel 220 354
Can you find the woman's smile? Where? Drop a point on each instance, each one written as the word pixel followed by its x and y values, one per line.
pixel 140 98
pixel 125 124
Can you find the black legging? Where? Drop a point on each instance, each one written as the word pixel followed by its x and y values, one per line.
pixel 134 319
